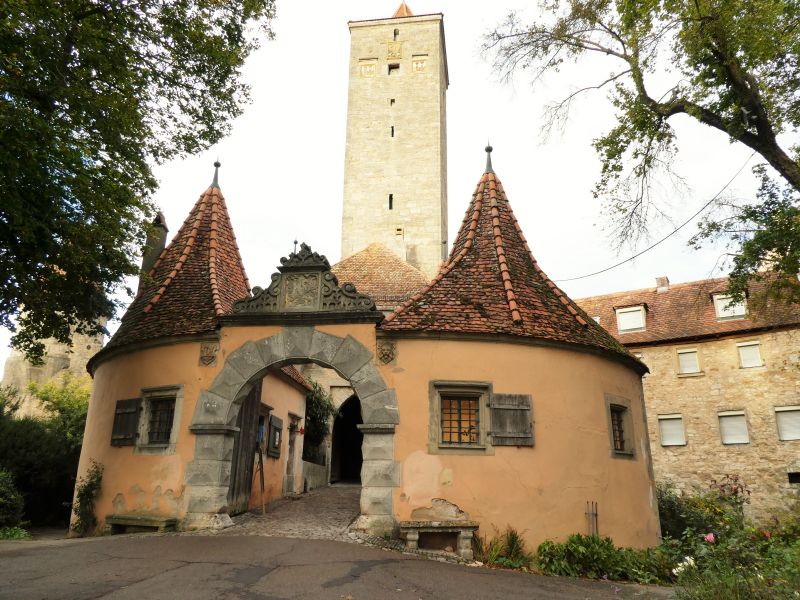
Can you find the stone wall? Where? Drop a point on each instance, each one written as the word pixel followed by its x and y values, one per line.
pixel 396 140
pixel 722 385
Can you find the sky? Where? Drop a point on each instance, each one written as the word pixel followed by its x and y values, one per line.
pixel 283 164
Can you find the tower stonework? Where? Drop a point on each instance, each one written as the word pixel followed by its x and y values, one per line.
pixel 395 184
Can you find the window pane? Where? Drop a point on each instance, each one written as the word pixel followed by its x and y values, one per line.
pixel 788 424
pixel 750 356
pixel 733 429
pixel 724 311
pixel 630 319
pixel 688 362
pixel 162 411
pixel 618 427
pixel 460 420
pixel 672 432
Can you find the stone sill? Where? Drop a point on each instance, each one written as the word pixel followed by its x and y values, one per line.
pixel 697 374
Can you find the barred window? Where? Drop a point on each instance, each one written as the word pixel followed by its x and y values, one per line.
pixel 618 427
pixel 460 419
pixel 162 412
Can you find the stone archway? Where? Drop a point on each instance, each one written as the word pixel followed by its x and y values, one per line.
pixel 214 420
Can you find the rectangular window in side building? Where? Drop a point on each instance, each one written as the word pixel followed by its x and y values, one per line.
pixel 749 355
pixel 726 311
pixel 788 419
pixel 688 361
pixel 671 431
pixel 631 318
pixel 733 427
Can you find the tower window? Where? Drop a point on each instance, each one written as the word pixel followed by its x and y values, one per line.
pixel 391 101
pixel 394 69
pixel 396 34
pixel 398 232
pixel 392 130
pixel 391 201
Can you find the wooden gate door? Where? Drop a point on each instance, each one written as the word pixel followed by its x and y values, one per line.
pixel 244 452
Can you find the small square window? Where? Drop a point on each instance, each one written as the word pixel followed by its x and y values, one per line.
pixel 793 477
pixel 688 361
pixel 460 419
pixel 631 319
pixel 749 355
pixel 733 427
pixel 671 430
pixel 726 311
pixel 419 63
pixel 393 69
pixel 367 68
pixel 788 418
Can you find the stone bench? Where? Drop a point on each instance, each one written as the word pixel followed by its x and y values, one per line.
pixel 121 523
pixel 465 530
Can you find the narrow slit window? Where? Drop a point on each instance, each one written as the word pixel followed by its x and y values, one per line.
pixel 391 201
pixel 618 427
pixel 396 34
pixel 392 130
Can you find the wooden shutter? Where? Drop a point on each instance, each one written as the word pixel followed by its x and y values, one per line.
pixel 512 420
pixel 126 422
pixel 275 437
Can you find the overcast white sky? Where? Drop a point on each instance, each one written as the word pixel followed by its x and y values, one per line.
pixel 282 167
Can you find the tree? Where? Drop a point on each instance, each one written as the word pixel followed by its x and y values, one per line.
pixel 66 402
pixel 92 92
pixel 730 64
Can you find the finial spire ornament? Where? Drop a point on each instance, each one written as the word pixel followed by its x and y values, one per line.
pixel 489 158
pixel 217 165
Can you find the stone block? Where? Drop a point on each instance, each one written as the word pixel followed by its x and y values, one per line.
pixel 380 408
pixel 324 347
pixel 207 499
pixel 297 341
pixel 214 447
pixel 377 446
pixel 227 384
pixel 367 381
pixel 350 357
pixel 205 472
pixel 376 501
pixel 247 360
pixel 210 408
pixel 377 525
pixel 272 349
pixel 380 473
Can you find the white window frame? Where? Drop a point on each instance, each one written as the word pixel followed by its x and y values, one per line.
pixel 672 417
pixel 741 345
pixel 694 351
pixel 725 313
pixel 632 309
pixel 782 409
pixel 733 413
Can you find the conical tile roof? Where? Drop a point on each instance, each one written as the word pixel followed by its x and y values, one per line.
pixel 197 278
pixel 402 11
pixel 492 284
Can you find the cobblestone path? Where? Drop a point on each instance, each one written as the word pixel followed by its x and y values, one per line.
pixel 323 514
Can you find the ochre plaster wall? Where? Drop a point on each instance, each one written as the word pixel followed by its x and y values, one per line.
pixel 723 385
pixel 540 491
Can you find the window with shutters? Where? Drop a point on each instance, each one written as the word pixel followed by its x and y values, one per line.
pixel 749 355
pixel 671 431
pixel 459 418
pixel 733 427
pixel 158 418
pixel 512 420
pixel 620 426
pixel 275 437
pixel 788 420
pixel 125 430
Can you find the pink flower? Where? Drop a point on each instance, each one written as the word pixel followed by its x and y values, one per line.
pixel 710 538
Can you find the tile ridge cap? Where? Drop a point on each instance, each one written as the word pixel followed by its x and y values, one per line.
pixel 508 284
pixel 224 207
pixel 212 255
pixel 187 249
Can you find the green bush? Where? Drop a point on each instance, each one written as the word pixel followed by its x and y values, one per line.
pixel 503 550
pixel 11 502
pixel 14 533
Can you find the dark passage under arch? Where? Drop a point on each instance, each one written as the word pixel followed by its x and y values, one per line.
pixel 346 457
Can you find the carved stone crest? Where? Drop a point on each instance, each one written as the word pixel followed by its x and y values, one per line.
pixel 387 351
pixel 208 353
pixel 394 50
pixel 302 290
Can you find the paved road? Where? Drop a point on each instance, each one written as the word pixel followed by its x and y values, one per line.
pixel 264 568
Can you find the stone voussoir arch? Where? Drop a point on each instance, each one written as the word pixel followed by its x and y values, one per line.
pixel 214 421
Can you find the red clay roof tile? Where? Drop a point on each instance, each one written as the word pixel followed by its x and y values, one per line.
pixel 492 284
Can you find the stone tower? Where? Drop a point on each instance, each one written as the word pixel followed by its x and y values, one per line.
pixel 395 177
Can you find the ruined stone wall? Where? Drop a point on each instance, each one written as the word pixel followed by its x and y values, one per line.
pixel 59 359
pixel 396 140
pixel 722 385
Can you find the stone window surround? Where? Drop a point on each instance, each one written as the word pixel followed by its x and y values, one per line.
pixel 627 427
pixel 685 350
pixel 749 343
pixel 736 412
pixel 148 394
pixel 671 417
pixel 785 408
pixel 482 389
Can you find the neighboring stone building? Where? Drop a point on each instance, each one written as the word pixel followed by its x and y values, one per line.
pixel 723 392
pixel 395 176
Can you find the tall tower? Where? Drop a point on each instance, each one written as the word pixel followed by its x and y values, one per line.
pixel 395 184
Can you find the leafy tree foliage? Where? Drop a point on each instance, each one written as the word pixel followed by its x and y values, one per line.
pixel 729 64
pixel 66 401
pixel 92 92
